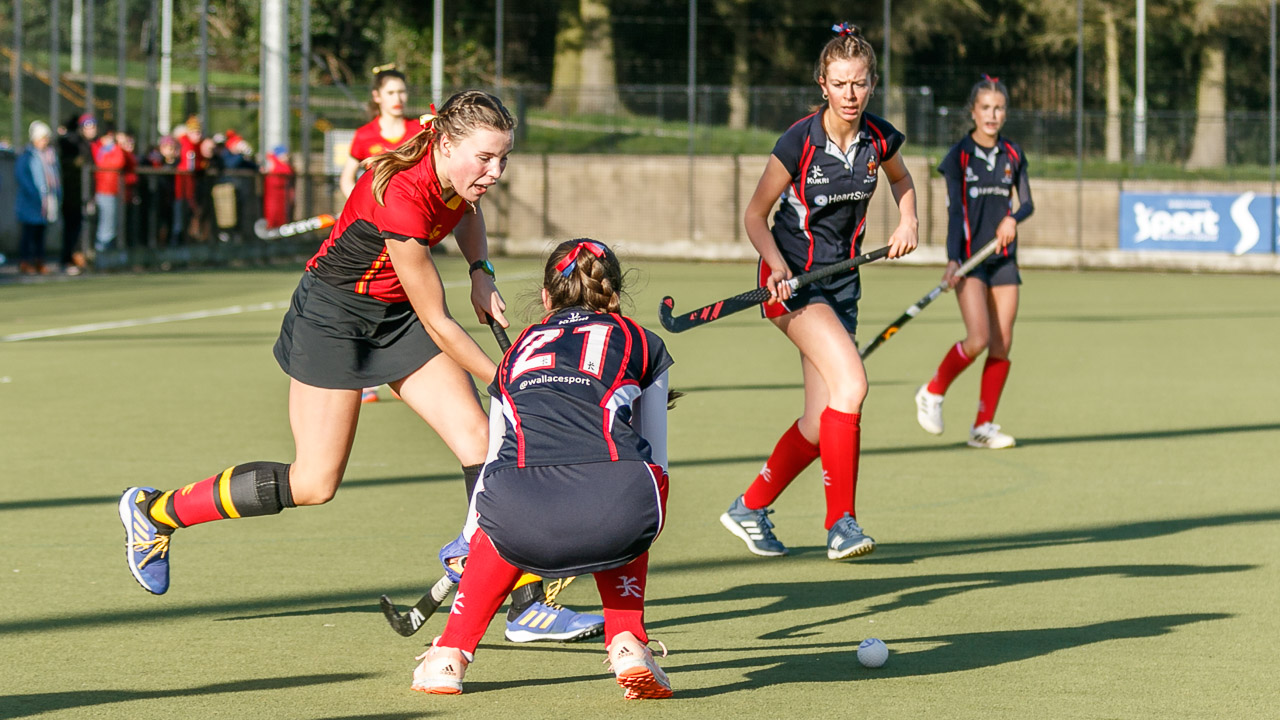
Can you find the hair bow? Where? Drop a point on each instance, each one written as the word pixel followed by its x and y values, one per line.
pixel 425 119
pixel 570 261
pixel 843 29
pixel 990 79
pixel 384 68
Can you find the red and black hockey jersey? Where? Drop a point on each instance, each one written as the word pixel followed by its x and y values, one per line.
pixel 369 140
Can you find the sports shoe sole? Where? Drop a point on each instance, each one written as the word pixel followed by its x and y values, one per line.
pixel 862 548
pixel 126 519
pixel 640 684
pixel 736 529
pixel 440 689
pixel 524 636
pixel 985 446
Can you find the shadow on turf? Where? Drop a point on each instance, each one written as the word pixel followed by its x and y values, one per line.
pixel 17 706
pixel 783 664
pixel 882 595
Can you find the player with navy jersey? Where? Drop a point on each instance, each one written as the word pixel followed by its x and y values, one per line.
pixel 575 481
pixel 983 171
pixel 825 167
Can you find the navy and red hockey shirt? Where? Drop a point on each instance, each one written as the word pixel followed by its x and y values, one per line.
pixel 824 210
pixel 355 258
pixel 567 388
pixel 979 185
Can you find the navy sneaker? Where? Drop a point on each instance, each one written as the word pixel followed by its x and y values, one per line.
pixel 754 527
pixel 145 547
pixel 845 539
pixel 543 621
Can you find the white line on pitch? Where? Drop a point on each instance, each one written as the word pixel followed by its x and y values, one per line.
pixel 179 317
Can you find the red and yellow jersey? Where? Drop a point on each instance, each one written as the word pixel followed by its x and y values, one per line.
pixel 355 258
pixel 370 141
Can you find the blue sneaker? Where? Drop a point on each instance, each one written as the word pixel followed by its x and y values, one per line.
pixel 845 539
pixel 145 546
pixel 543 621
pixel 754 527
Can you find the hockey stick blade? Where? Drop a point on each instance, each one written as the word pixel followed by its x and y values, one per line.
pixel 679 323
pixel 410 622
pixel 929 297
pixel 298 227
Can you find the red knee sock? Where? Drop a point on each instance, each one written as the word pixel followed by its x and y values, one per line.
pixel 839 440
pixel 247 490
pixel 952 365
pixel 790 457
pixel 485 584
pixel 622 593
pixel 994 374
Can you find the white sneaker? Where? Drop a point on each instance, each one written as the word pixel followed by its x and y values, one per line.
pixel 441 670
pixel 929 410
pixel 988 435
pixel 633 665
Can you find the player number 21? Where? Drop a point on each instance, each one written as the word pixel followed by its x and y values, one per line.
pixel 595 342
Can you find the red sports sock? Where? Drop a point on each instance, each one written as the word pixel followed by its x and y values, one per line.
pixel 952 365
pixel 790 457
pixel 622 593
pixel 485 584
pixel 840 438
pixel 994 374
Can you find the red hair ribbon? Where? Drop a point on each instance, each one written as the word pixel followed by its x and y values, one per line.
pixel 570 261
pixel 843 29
pixel 426 120
pixel 990 79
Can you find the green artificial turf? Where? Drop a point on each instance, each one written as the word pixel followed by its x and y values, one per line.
pixel 1120 563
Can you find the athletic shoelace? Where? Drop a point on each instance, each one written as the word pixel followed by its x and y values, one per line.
pixel 159 545
pixel 554 589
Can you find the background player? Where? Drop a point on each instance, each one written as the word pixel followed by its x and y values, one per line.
pixel 575 481
pixel 388 130
pixel 826 168
pixel 983 170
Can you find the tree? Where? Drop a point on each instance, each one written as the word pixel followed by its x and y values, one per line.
pixel 584 78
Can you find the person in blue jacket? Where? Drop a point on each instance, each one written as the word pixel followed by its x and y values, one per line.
pixel 39 197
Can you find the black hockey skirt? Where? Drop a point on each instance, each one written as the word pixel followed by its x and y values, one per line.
pixel 335 339
pixel 564 520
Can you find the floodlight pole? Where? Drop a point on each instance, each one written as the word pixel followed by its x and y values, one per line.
pixel 497 46
pixel 55 100
pixel 1140 94
pixel 693 103
pixel 15 72
pixel 437 52
pixel 888 5
pixel 1271 157
pixel 1080 130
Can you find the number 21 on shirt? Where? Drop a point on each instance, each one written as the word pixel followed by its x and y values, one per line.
pixel 595 342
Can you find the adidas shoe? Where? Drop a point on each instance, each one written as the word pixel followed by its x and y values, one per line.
pixel 549 621
pixel 929 410
pixel 845 539
pixel 441 670
pixel 634 668
pixel 754 527
pixel 369 395
pixel 146 547
pixel 988 435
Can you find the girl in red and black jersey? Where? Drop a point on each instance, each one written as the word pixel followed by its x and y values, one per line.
pixel 575 480
pixel 826 168
pixel 389 128
pixel 370 309
pixel 983 171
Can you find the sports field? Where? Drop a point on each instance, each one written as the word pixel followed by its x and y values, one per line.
pixel 1122 562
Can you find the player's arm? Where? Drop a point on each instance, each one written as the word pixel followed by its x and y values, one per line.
pixel 347 180
pixel 772 184
pixel 473 241
pixel 650 418
pixel 905 237
pixel 421 281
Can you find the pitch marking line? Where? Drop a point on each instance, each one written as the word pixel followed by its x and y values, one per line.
pixel 179 317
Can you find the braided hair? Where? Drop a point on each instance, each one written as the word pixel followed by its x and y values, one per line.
pixel 462 114
pixel 583 273
pixel 848 44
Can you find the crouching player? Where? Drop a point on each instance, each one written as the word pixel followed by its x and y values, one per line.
pixel 575 479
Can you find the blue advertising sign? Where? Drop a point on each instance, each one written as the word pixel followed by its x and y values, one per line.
pixel 1196 222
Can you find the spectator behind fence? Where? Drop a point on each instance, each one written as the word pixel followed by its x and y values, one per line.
pixel 76 152
pixel 190 162
pixel 39 197
pixel 161 191
pixel 108 158
pixel 278 188
pixel 235 156
pixel 132 198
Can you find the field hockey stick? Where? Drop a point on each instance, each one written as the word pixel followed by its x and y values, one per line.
pixel 409 623
pixel 933 294
pixel 298 227
pixel 728 306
